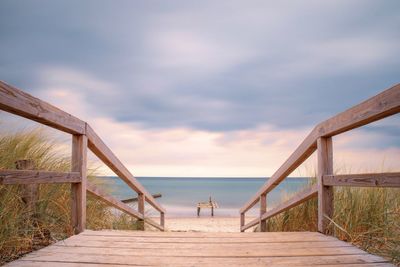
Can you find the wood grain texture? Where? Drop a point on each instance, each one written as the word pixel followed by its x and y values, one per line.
pixel 172 249
pixel 242 221
pixel 78 190
pixel 325 193
pixel 23 104
pixel 209 262
pixel 37 177
pixel 141 201
pixel 101 150
pixel 292 202
pixel 383 105
pixel 162 219
pixel 363 180
pixel 263 210
pixel 378 107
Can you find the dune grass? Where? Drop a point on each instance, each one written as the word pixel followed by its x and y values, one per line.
pixel 23 229
pixel 367 217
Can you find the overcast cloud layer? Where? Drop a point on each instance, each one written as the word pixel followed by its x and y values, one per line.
pixel 211 66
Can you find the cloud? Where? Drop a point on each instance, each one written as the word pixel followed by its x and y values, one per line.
pixel 228 87
pixel 184 151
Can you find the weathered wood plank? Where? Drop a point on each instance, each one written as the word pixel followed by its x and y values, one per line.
pixel 219 262
pixel 383 105
pixel 97 192
pixel 208 240
pixel 292 202
pixel 325 193
pixel 101 150
pixel 37 177
pixel 206 252
pixel 255 235
pixel 78 190
pixel 137 251
pixel 199 246
pixel 363 180
pixel 23 104
pixel 135 199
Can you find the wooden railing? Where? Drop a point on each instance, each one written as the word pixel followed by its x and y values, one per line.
pixel 20 103
pixel 376 108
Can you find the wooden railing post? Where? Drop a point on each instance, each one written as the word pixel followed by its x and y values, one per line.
pixel 263 209
pixel 242 221
pixel 325 193
pixel 78 190
pixel 30 193
pixel 141 200
pixel 162 219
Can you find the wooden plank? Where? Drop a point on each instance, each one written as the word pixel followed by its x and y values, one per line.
pixel 325 193
pixel 199 246
pixel 206 252
pixel 208 240
pixel 37 177
pixel 227 262
pixel 338 260
pixel 363 180
pixel 382 105
pixel 25 105
pixel 135 199
pixel 78 190
pixel 101 150
pixel 292 202
pixel 254 235
pixel 94 190
pixel 129 250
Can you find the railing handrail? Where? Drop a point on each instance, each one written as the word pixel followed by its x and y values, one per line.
pixel 382 105
pixel 20 103
pixel 378 107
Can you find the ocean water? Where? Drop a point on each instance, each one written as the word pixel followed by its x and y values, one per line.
pixel 181 195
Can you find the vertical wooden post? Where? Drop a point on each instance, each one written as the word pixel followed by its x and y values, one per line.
pixel 78 190
pixel 242 221
pixel 325 193
pixel 30 192
pixel 263 209
pixel 141 200
pixel 162 219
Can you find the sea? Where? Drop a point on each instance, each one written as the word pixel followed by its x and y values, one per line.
pixel 181 195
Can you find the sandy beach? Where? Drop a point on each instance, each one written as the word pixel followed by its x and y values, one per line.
pixel 203 224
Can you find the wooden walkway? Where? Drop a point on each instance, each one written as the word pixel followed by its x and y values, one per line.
pixel 128 248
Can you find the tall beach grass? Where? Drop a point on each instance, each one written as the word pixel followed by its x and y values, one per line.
pixel 23 229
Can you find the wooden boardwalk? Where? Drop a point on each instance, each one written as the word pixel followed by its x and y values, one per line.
pixel 128 248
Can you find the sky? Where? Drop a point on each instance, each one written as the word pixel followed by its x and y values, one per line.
pixel 209 88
